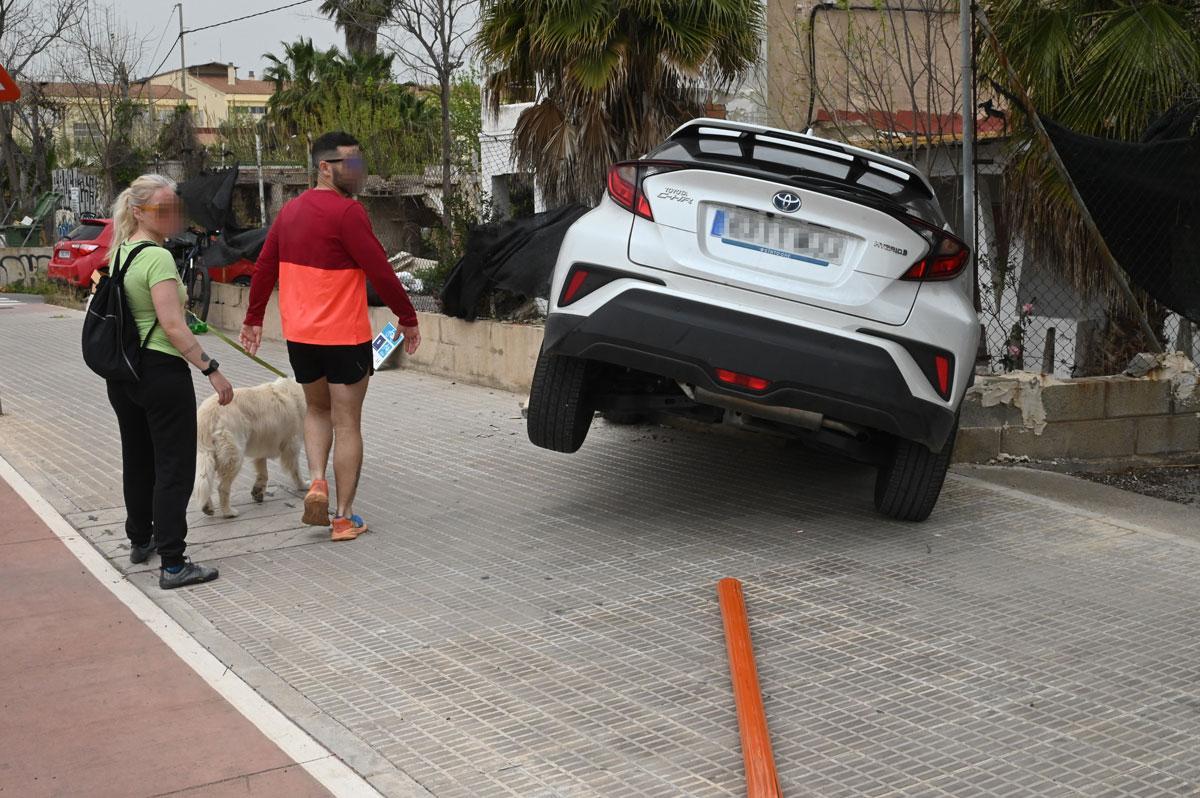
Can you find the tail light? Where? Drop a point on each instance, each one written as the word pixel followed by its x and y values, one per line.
pixel 742 380
pixel 936 364
pixel 946 257
pixel 584 278
pixel 85 248
pixel 941 366
pixel 625 184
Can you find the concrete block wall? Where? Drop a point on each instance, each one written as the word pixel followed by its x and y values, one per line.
pixel 494 354
pixel 1084 419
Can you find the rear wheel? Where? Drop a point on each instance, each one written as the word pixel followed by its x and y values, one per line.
pixel 199 291
pixel 560 413
pixel 909 482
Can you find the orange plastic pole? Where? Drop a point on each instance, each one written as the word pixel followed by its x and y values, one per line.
pixel 761 779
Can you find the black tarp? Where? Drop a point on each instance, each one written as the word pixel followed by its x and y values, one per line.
pixel 516 256
pixel 1145 198
pixel 232 247
pixel 208 199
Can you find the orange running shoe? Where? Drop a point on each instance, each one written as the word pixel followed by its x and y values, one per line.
pixel 316 504
pixel 348 528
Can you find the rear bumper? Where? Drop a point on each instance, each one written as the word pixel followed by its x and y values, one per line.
pixel 839 377
pixel 62 272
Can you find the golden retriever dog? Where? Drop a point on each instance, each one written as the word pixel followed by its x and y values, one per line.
pixel 261 423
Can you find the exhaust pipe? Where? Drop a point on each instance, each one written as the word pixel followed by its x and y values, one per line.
pixel 805 419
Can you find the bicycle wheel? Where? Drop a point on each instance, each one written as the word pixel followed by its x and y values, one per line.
pixel 199 290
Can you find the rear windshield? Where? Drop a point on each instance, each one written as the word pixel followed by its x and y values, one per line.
pixel 778 158
pixel 86 231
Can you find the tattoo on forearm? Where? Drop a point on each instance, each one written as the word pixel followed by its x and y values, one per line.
pixel 204 358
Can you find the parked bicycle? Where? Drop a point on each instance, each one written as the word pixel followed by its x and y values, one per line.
pixel 188 248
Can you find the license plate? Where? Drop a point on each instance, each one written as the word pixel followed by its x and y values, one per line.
pixel 771 235
pixel 63 254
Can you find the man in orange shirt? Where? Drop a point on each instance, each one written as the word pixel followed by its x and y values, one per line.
pixel 321 250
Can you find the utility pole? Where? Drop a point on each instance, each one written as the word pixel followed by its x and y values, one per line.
pixel 262 202
pixel 965 30
pixel 182 56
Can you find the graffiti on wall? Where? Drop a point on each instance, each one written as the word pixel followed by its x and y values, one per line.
pixel 80 192
pixel 23 267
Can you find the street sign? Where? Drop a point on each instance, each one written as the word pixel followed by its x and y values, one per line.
pixel 9 90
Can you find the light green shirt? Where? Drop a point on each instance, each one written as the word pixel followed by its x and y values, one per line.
pixel 152 266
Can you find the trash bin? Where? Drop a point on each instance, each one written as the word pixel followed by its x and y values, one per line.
pixel 22 235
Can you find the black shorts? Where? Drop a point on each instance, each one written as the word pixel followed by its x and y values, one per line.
pixel 341 365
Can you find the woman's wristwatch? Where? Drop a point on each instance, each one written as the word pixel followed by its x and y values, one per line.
pixel 212 366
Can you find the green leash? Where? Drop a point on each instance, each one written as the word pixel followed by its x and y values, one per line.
pixel 200 327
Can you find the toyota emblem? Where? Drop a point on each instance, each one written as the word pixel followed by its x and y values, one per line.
pixel 787 201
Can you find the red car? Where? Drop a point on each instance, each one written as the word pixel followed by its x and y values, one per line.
pixel 84 250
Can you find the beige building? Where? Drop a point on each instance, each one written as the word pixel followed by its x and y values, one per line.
pixel 84 110
pixel 216 93
pixel 864 71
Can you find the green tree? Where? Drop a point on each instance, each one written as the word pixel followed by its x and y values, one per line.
pixel 318 90
pixel 1103 68
pixel 614 77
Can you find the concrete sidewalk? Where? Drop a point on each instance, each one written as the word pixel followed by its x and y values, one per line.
pixel 93 703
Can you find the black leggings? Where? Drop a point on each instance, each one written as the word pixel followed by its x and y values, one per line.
pixel 157 417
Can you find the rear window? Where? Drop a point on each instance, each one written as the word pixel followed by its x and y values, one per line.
pixel 86 231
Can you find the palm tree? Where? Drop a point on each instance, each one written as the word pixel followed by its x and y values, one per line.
pixel 298 76
pixel 1101 68
pixel 614 77
pixel 360 20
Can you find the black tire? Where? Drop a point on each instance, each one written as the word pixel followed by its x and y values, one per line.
pixel 242 281
pixel 559 411
pixel 199 291
pixel 907 486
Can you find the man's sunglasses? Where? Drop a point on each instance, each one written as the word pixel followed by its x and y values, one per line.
pixel 353 161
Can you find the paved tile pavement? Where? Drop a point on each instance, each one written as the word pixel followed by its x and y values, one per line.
pixel 524 623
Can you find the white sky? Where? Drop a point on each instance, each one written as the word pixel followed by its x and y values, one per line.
pixel 243 43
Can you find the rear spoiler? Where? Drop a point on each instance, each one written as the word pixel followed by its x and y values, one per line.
pixel 748 135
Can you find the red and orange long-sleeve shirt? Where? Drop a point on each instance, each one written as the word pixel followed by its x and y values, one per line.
pixel 321 250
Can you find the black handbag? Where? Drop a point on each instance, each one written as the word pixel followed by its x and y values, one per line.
pixel 111 345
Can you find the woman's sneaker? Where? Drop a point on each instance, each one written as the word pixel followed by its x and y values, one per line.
pixel 139 554
pixel 316 504
pixel 348 528
pixel 190 573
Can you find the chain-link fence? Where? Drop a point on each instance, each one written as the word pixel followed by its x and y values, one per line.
pixel 1054 305
pixel 1077 276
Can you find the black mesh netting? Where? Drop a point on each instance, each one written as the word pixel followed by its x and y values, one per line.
pixel 516 256
pixel 1145 198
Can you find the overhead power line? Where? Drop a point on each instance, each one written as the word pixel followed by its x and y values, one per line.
pixel 248 16
pixel 162 35
pixel 174 44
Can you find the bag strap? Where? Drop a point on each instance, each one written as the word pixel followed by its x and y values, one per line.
pixel 123 266
pixel 120 277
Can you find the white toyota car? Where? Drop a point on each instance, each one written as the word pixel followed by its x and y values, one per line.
pixel 749 275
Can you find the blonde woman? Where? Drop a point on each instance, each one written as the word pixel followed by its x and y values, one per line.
pixel 157 414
